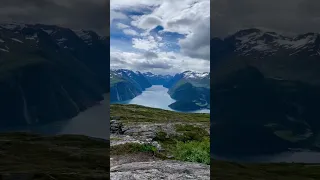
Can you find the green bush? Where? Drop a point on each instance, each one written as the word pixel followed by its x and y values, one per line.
pixel 193 151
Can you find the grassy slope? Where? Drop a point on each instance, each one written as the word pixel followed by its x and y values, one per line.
pixel 60 157
pixel 136 113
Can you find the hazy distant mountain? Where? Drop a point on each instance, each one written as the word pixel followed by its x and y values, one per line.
pixel 49 73
pixel 157 79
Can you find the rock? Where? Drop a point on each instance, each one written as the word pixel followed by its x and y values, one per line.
pixel 123 139
pixel 116 127
pixel 157 145
pixel 157 170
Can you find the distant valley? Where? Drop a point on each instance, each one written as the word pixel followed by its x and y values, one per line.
pixel 191 90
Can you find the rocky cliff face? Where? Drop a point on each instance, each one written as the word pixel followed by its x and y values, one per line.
pixel 49 73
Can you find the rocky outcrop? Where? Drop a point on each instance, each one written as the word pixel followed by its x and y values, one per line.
pixel 159 170
pixel 116 127
pixel 142 166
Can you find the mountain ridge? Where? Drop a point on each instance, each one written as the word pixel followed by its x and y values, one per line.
pixel 275 55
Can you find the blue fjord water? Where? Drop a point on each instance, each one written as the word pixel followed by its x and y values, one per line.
pixel 157 97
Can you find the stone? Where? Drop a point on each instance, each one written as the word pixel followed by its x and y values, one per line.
pixel 160 170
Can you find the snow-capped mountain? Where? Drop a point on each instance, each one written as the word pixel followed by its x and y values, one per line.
pixel 126 84
pixel 135 77
pixel 250 41
pixel 191 77
pixel 292 57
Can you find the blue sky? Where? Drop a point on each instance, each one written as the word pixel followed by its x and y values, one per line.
pixel 161 36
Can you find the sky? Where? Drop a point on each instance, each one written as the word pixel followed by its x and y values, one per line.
pixel 160 36
pixel 283 16
pixel 75 14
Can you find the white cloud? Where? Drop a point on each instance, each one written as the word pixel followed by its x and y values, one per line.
pixel 117 4
pixel 147 43
pixel 130 32
pixel 147 22
pixel 116 15
pixel 188 17
pixel 160 63
pixel 122 26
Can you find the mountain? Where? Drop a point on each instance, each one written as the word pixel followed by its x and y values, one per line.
pixel 136 77
pixel 191 90
pixel 265 90
pixel 157 79
pixel 126 84
pixel 274 54
pixel 49 73
pixel 122 88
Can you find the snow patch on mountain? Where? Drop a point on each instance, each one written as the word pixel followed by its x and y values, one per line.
pixel 16 40
pixel 195 75
pixel 48 31
pixel 252 41
pixel 32 37
pixel 4 50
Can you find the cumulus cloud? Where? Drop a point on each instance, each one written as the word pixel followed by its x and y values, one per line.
pixel 161 62
pixel 189 17
pixel 130 32
pixel 150 55
pixel 147 22
pixel 183 42
pixel 122 26
pixel 153 65
pixel 288 16
pixel 148 43
pixel 116 15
